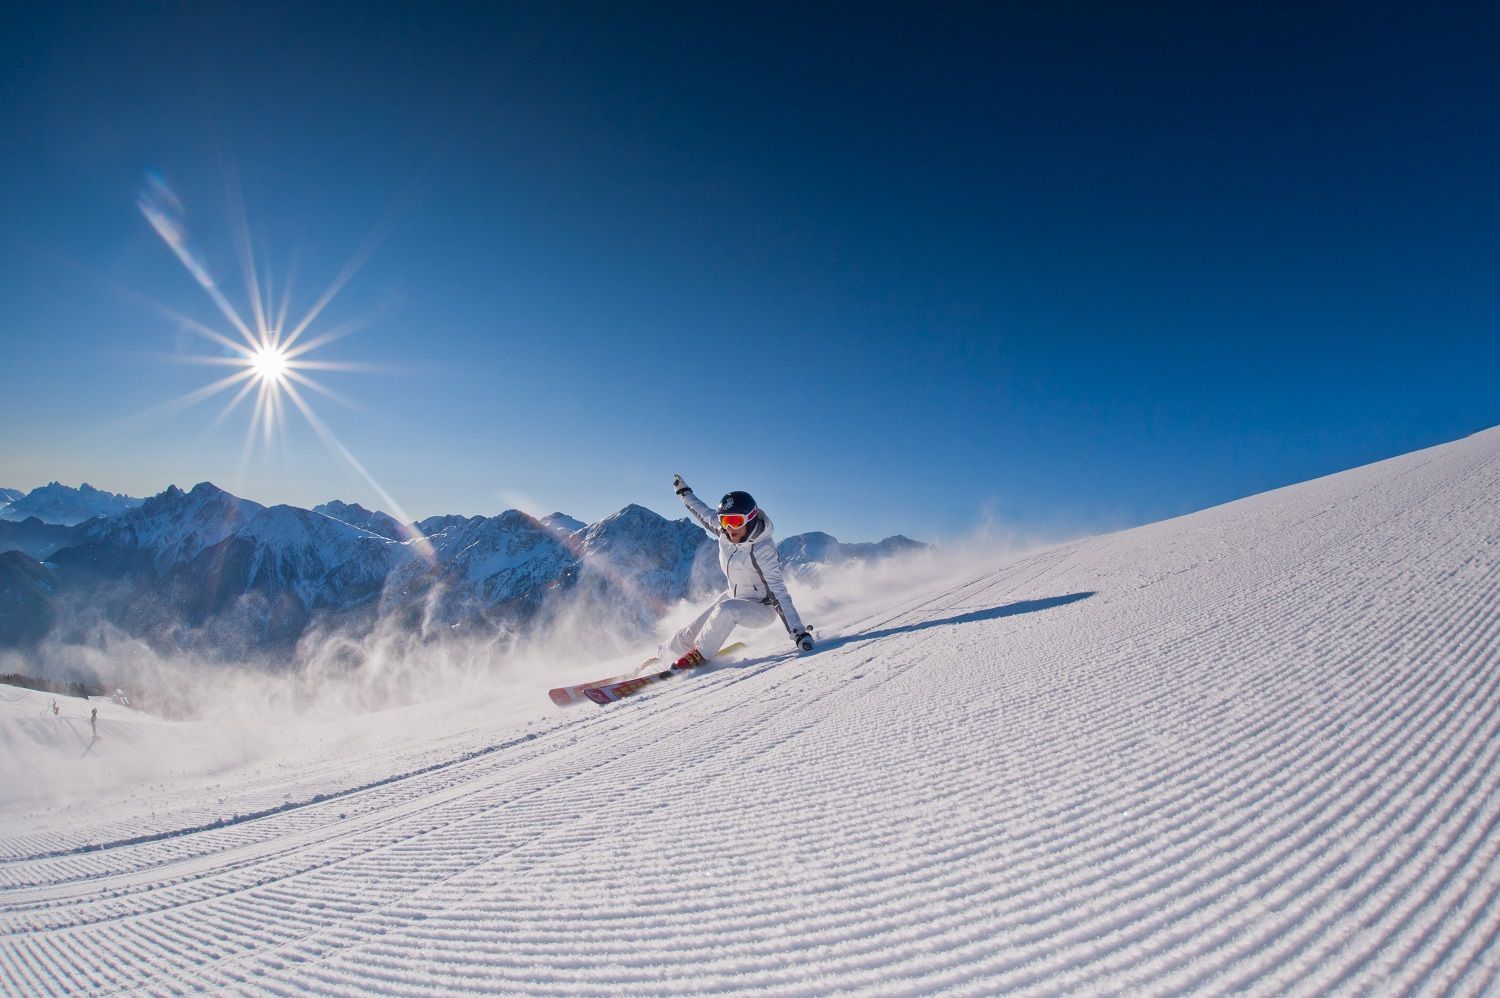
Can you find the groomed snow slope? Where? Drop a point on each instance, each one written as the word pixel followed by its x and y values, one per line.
pixel 1255 749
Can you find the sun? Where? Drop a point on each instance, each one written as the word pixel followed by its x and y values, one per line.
pixel 269 357
pixel 270 363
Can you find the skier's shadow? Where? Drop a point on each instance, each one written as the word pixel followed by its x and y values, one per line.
pixel 973 616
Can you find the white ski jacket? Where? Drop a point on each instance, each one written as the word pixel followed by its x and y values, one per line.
pixel 752 566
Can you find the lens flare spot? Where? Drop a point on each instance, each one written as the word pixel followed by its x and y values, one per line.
pixel 269 363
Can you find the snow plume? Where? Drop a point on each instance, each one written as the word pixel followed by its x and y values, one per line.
pixel 847 588
pixel 192 717
pixel 49 741
pixel 429 641
pixel 200 709
pixel 386 657
pixel 193 714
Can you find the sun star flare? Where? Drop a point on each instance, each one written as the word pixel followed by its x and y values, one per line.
pixel 270 363
pixel 269 367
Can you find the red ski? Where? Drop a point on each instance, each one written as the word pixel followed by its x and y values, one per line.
pixel 564 696
pixel 610 692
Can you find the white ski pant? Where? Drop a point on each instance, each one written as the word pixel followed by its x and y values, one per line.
pixel 709 631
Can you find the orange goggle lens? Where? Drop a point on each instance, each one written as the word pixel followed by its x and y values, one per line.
pixel 733 520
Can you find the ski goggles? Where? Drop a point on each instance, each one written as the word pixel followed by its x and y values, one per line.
pixel 734 521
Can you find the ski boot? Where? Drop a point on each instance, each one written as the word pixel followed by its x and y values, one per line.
pixel 691 660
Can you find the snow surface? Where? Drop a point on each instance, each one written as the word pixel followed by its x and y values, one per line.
pixel 1251 750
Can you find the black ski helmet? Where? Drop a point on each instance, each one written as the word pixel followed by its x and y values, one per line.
pixel 739 502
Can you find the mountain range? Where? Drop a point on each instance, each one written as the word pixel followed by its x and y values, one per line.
pixel 212 572
pixel 59 504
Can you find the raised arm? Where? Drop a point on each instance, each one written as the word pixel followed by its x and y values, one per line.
pixel 697 507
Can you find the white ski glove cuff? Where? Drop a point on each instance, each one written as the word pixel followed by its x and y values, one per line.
pixel 679 486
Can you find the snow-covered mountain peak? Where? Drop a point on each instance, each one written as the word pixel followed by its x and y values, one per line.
pixel 632 524
pixel 819 548
pixel 434 525
pixel 175 526
pixel 375 521
pixel 60 504
pixel 284 524
pixel 812 546
pixel 646 558
pixel 340 510
pixel 500 535
pixel 563 524
pixel 322 559
pixel 634 513
pixel 500 558
pixel 201 500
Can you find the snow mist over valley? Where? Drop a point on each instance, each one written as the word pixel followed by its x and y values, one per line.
pixel 202 581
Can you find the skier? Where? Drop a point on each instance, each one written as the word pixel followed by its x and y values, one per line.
pixel 756 594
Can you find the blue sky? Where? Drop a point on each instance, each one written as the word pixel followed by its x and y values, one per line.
pixel 910 271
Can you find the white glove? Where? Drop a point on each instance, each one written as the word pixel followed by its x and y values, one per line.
pixel 804 639
pixel 679 486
